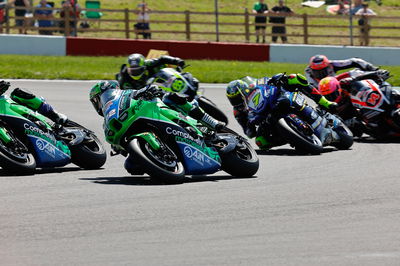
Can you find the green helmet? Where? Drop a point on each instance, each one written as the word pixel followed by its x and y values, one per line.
pixel 97 90
pixel 136 66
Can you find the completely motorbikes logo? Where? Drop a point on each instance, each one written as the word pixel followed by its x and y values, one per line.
pixel 32 130
pixel 182 134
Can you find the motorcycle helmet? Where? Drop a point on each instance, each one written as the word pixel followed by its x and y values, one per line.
pixel 136 67
pixel 330 88
pixel 97 90
pixel 320 67
pixel 236 92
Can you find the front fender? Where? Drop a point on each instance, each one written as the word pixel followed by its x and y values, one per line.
pixel 150 138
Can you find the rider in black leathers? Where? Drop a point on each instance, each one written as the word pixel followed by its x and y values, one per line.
pixel 138 70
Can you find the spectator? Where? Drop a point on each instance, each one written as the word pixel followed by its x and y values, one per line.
pixel 260 8
pixel 357 5
pixel 43 17
pixel 143 20
pixel 2 14
pixel 280 30
pixel 74 11
pixel 343 10
pixel 364 22
pixel 20 22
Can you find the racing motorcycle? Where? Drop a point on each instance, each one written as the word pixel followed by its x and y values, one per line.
pixel 374 104
pixel 173 80
pixel 167 145
pixel 283 126
pixel 28 140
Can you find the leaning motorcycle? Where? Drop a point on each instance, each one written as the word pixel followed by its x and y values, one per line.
pixel 374 105
pixel 172 80
pixel 285 126
pixel 29 141
pixel 168 145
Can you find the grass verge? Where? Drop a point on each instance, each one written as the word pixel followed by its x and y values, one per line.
pixel 98 68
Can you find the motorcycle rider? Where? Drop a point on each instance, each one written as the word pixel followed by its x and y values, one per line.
pixel 238 91
pixel 339 88
pixel 39 104
pixel 138 70
pixel 320 67
pixel 173 100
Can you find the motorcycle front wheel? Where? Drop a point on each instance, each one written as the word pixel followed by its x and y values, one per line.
pixel 89 154
pixel 15 157
pixel 302 141
pixel 162 164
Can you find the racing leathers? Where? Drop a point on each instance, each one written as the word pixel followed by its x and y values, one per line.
pixel 152 67
pixel 250 119
pixel 39 104
pixel 336 65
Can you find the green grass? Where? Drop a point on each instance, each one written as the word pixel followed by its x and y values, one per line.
pixel 97 68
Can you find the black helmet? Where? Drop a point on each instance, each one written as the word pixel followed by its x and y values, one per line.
pixel 136 66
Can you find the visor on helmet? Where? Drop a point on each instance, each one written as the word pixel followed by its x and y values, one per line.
pixel 136 71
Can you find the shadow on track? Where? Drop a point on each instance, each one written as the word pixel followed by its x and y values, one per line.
pixel 43 171
pixel 379 141
pixel 147 181
pixel 290 152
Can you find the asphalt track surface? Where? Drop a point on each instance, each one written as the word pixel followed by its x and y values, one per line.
pixel 338 208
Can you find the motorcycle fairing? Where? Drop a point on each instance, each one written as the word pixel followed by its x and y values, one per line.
pixel 369 96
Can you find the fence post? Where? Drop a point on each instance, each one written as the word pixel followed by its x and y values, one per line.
pixel 67 28
pixel 126 23
pixel 8 19
pixel 187 22
pixel 246 24
pixel 305 28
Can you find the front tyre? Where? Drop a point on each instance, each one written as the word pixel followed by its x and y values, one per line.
pixel 162 164
pixel 301 138
pixel 15 157
pixel 89 154
pixel 241 161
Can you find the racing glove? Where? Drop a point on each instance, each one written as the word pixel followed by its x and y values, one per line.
pixel 4 85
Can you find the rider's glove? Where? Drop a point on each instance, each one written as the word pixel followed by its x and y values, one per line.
pixel 181 63
pixel 371 67
pixel 383 74
pixel 333 107
pixel 149 92
pixel 4 86
pixel 279 80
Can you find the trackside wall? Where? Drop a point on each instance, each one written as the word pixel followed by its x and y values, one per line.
pixel 186 50
pixel 32 44
pixel 292 53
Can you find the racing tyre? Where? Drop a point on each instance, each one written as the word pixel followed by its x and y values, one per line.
pixel 346 138
pixel 211 108
pixel 162 164
pixel 15 156
pixel 89 154
pixel 242 161
pixel 303 139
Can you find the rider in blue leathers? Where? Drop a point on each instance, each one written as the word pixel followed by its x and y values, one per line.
pixel 250 110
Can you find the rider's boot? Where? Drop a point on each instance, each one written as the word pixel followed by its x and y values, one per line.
pixel 26 98
pixel 205 118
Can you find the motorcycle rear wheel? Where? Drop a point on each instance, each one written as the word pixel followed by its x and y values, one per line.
pixel 302 142
pixel 90 154
pixel 156 163
pixel 242 161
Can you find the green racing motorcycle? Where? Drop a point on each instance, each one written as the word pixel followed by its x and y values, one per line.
pixel 28 140
pixel 168 145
